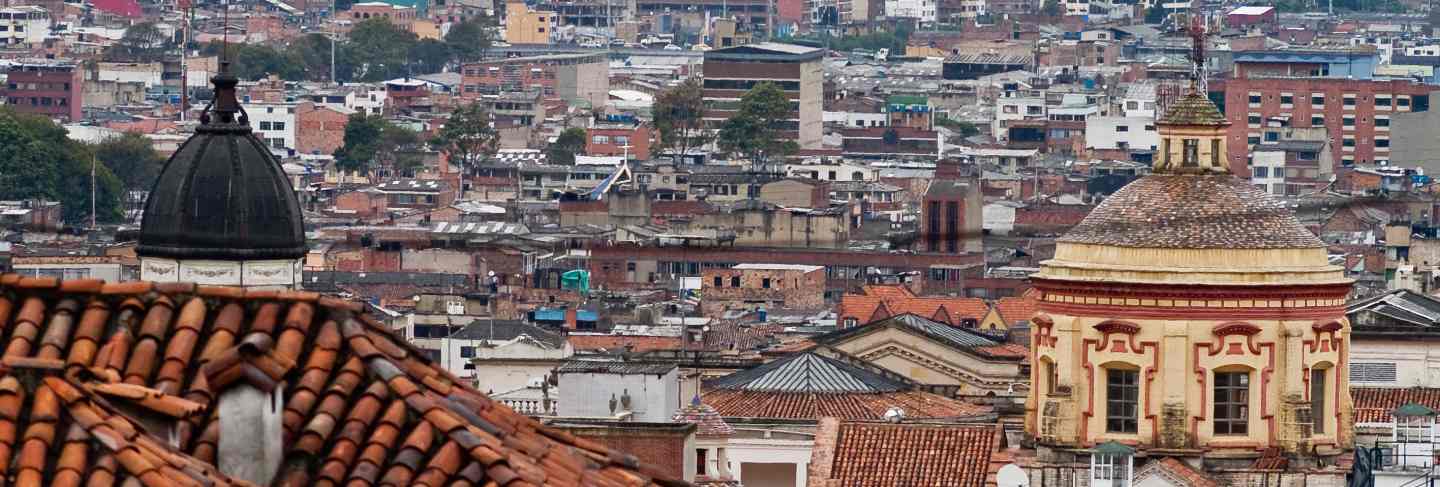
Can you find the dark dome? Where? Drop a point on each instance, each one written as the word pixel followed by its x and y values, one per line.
pixel 1184 211
pixel 222 195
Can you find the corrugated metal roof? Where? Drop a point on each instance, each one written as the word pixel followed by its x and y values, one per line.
pixel 603 367
pixel 807 372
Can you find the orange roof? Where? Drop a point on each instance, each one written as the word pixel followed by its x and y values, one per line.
pixel 847 406
pixel 1374 404
pixel 617 342
pixel 879 302
pixel 874 453
pixel 1013 309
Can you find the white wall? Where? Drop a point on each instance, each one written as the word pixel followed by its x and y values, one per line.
pixel 762 451
pixel 1105 132
pixel 1273 179
pixel 1417 363
pixel 652 398
pixel 265 116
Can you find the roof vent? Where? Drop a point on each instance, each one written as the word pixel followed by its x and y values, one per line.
pixel 894 414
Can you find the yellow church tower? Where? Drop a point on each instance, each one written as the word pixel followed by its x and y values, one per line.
pixel 1190 315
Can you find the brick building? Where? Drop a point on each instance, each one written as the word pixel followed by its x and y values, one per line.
pixel 731 72
pixel 1355 112
pixel 950 218
pixel 763 286
pixel 611 139
pixel 400 17
pixel 52 89
pixel 321 129
pixel 415 193
pixel 565 76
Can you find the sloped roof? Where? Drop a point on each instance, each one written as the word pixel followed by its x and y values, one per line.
pixel 1193 109
pixel 707 420
pixel 858 406
pixel 958 338
pixel 1403 306
pixel 877 302
pixel 1174 472
pixel 874 453
pixel 1016 308
pixel 362 407
pixel 807 372
pixel 1378 404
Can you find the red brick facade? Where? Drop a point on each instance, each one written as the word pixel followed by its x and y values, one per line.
pixel 52 90
pixel 609 139
pixel 319 129
pixel 1348 109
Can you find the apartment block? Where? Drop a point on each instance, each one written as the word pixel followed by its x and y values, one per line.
pixel 731 72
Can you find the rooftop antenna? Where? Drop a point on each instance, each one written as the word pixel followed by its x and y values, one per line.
pixel 1198 36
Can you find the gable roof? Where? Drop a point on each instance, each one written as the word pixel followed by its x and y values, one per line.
pixel 877 302
pixel 954 337
pixel 1014 309
pixel 875 453
pixel 1173 472
pixel 850 406
pixel 1406 310
pixel 809 373
pixel 361 405
pixel 1378 404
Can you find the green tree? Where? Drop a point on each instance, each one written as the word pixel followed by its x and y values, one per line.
pixel 429 56
pixel 678 116
pixel 132 158
pixel 381 49
pixel 312 53
pixel 468 40
pixel 467 136
pixel 755 131
pixel 142 43
pixel 570 143
pixel 966 129
pixel 39 161
pixel 362 142
pixel 255 61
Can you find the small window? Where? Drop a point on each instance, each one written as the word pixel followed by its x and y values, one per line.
pixel 1382 102
pixel 1382 122
pixel 700 460
pixel 1260 172
pixel 1317 400
pixel 765 283
pixel 1347 142
pixel 1317 99
pixel 719 281
pixel 1253 120
pixel 1348 121
pixel 1317 121
pixel 734 281
pixel 1122 395
pixel 1255 99
pixel 1350 101
pixel 467 352
pixel 1382 142
pixel 1122 128
pixel 1287 99
pixel 1232 403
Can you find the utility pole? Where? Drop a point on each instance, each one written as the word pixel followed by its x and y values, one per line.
pixel 185 14
pixel 92 192
pixel 333 15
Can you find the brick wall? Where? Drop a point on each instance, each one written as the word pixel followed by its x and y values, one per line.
pixel 664 447
pixel 320 130
pixel 791 288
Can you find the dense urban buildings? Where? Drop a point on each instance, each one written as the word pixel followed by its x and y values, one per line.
pixel 956 243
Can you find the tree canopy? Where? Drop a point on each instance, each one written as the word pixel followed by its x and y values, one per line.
pixel 467 136
pixel 755 131
pixel 570 143
pixel 142 43
pixel 39 161
pixel 374 144
pixel 133 159
pixel 678 116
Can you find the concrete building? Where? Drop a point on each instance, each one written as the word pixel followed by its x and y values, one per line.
pixel 274 123
pixel 1161 268
pixel 920 10
pixel 525 26
pixel 571 77
pixel 628 139
pixel 1121 133
pixel 731 72
pixel 1357 113
pixel 762 286
pixel 1292 161
pixel 630 391
pixel 25 24
pixel 400 16
pixel 50 88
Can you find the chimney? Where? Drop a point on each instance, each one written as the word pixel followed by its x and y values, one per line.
pixel 570 318
pixel 252 433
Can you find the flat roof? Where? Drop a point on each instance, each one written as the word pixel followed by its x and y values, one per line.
pixel 778 267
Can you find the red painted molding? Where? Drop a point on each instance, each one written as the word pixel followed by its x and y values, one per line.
pixel 1235 328
pixel 1112 326
pixel 1155 312
pixel 1329 326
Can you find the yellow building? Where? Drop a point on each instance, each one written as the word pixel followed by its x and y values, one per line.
pixel 1190 316
pixel 525 26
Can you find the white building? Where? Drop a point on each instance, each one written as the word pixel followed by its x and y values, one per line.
pixel 630 391
pixel 921 10
pixel 1014 107
pixel 970 9
pixel 1267 169
pixel 1121 133
pixel 273 123
pixel 26 24
pixel 857 119
pixel 833 170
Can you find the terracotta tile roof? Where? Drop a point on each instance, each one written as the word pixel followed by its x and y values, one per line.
pixel 613 343
pixel 951 336
pixel 708 422
pixel 362 407
pixel 849 406
pixel 1016 309
pixel 1009 350
pixel 1173 472
pixel 884 454
pixel 1374 404
pixel 879 302
pixel 1193 109
pixel 1192 212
